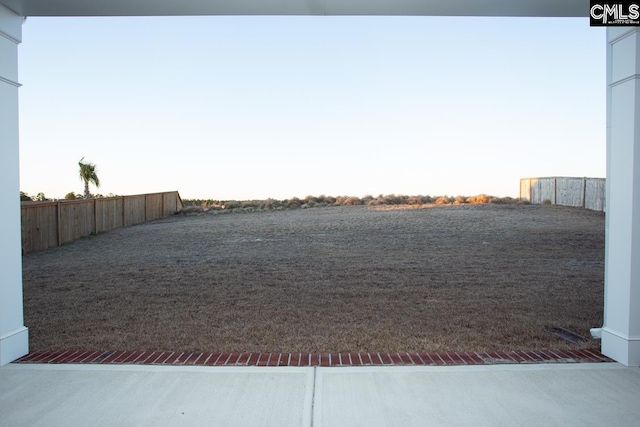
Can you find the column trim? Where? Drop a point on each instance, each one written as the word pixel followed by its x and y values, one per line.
pixel 9 37
pixel 622 36
pixel 9 82
pixel 619 348
pixel 620 335
pixel 625 80
pixel 14 345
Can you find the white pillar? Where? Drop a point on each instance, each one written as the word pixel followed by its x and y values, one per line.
pixel 621 330
pixel 14 337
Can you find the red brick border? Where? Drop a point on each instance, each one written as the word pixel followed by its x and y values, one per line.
pixel 178 358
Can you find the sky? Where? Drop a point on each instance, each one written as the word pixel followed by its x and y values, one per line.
pixel 257 107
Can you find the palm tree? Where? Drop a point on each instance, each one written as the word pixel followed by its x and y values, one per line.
pixel 88 174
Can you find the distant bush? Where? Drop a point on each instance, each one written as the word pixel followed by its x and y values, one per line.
pixel 459 200
pixel 232 204
pixel 248 206
pixel 340 200
pixel 352 201
pixel 415 200
pixel 270 204
pixel 480 198
pixel 443 200
pixel 366 199
pixel 311 200
pixel 294 202
pixel 393 199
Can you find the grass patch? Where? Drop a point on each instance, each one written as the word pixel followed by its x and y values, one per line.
pixel 334 279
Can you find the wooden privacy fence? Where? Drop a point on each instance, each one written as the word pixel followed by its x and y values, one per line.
pixel 50 224
pixel 587 193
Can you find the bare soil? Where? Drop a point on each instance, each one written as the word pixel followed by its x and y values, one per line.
pixel 335 279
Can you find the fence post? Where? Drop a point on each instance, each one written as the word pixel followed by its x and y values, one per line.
pixel 95 215
pixel 124 215
pixel 584 192
pixel 520 191
pixel 58 231
pixel 555 190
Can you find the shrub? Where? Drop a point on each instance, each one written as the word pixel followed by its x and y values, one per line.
pixel 391 199
pixel 352 201
pixel 340 200
pixel 310 199
pixel 40 197
pixel 366 199
pixel 416 200
pixel 480 198
pixel 443 200
pixel 231 204
pixel 376 202
pixel 270 204
pixel 294 202
pixel 459 200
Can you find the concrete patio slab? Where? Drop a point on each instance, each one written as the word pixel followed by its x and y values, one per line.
pixel 89 395
pixel 558 394
pixel 499 395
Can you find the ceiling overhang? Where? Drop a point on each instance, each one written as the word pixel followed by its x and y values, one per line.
pixel 524 8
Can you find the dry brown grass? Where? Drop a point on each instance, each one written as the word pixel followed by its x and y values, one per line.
pixel 339 279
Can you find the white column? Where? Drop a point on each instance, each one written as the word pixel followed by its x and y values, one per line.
pixel 14 337
pixel 621 330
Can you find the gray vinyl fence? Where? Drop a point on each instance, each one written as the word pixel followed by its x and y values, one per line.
pixel 588 193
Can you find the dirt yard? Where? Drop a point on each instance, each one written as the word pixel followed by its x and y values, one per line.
pixel 336 279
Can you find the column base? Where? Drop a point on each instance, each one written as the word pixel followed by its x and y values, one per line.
pixel 14 345
pixel 622 349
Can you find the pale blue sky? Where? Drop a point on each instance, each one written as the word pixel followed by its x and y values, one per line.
pixel 257 107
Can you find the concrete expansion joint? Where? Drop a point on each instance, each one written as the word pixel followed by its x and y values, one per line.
pixel 315 395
